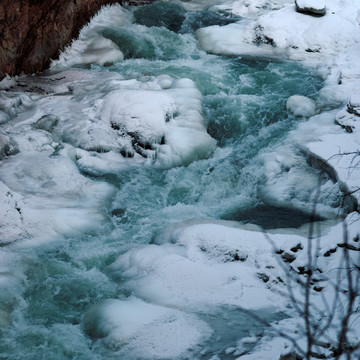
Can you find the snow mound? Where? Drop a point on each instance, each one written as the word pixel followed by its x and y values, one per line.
pixel 205 267
pixel 138 330
pixel 301 106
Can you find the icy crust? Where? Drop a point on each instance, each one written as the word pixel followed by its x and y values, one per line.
pixel 204 267
pixel 311 7
pixel 138 330
pixel 98 123
pixel 12 103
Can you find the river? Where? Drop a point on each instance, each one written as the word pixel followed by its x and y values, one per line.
pixel 112 145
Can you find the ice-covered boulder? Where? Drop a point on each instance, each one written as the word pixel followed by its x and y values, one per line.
pixel 311 7
pixel 301 106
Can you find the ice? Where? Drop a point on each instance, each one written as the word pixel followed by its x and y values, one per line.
pixel 46 198
pixel 12 103
pixel 139 330
pixel 301 106
pixel 156 122
pixel 7 146
pixel 91 47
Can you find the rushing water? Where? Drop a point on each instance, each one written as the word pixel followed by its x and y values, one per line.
pixel 243 106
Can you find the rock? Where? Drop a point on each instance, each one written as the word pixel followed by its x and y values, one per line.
pixel 311 7
pixel 47 123
pixel 33 32
pixel 353 106
pixel 7 146
pixel 349 117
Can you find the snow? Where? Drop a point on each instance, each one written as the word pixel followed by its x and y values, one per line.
pixel 206 266
pixel 301 106
pixel 286 33
pixel 139 330
pixel 311 4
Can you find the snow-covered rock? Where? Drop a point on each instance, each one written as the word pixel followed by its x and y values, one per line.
pixel 139 330
pixel 301 106
pixel 311 7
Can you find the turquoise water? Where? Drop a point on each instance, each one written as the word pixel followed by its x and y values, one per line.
pixel 244 108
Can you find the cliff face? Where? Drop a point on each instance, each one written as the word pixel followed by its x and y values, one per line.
pixel 33 31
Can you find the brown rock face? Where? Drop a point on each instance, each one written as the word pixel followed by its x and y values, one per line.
pixel 32 32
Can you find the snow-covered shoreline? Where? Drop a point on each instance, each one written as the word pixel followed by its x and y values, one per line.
pixel 331 45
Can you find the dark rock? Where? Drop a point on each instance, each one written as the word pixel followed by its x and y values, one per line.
pixel 353 106
pixel 296 248
pixel 263 277
pixel 7 146
pixel 288 257
pixel 33 32
pixel 306 7
pixel 47 123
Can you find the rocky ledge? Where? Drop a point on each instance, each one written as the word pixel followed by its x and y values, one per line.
pixel 32 32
